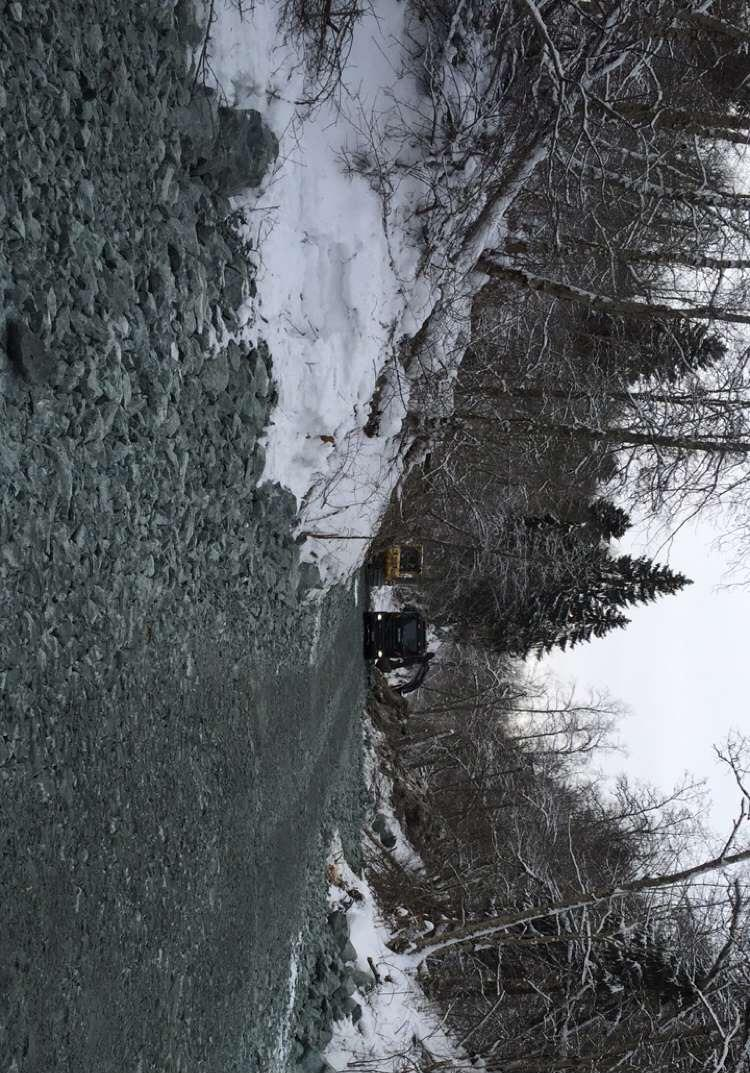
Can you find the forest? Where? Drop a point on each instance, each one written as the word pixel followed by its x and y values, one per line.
pixel 583 164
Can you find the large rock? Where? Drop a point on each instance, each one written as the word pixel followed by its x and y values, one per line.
pixel 339 925
pixel 313 1062
pixel 243 152
pixel 365 981
pixel 348 953
pixel 345 990
pixel 28 355
pixel 353 1009
pixel 215 375
pixel 198 123
pixel 382 829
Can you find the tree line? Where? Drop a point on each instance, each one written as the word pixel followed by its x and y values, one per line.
pixel 606 347
pixel 579 161
pixel 556 923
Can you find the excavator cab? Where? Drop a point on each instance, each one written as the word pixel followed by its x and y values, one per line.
pixel 398 562
pixel 403 562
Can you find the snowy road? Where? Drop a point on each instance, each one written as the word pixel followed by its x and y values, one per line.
pixel 171 757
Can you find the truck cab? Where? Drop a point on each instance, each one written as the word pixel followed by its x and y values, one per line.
pixel 399 635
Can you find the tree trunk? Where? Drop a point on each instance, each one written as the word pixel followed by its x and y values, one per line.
pixel 617 437
pixel 630 437
pixel 682 258
pixel 492 926
pixel 666 118
pixel 515 246
pixel 566 292
pixel 712 400
pixel 726 199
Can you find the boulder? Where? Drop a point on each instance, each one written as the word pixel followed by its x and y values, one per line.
pixel 312 1062
pixel 215 375
pixel 28 355
pixel 339 925
pixel 244 150
pixel 262 380
pixel 198 124
pixel 365 981
pixel 388 840
pixel 352 1009
pixel 348 953
pixel 345 990
pixel 383 831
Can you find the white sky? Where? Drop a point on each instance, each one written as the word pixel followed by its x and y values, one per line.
pixel 681 667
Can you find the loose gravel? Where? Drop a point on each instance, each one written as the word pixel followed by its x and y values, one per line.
pixel 171 762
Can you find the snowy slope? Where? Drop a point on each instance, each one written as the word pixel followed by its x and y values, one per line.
pixel 399 1028
pixel 337 275
pixel 368 235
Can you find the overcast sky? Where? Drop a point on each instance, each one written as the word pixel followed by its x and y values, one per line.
pixel 681 666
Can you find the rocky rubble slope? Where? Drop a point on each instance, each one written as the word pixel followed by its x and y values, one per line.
pixel 130 418
pixel 158 776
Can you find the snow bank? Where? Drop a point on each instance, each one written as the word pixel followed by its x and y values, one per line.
pixel 380 790
pixel 398 1024
pixel 336 272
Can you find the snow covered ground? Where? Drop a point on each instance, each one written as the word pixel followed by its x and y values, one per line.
pixel 398 1027
pixel 338 284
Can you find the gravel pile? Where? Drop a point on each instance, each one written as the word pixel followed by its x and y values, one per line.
pixel 167 752
pixel 329 996
pixel 130 419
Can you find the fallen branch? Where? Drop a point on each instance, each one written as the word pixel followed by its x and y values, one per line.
pixel 332 536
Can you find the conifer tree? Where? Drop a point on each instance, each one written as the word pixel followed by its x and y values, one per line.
pixel 590 603
pixel 608 521
pixel 657 349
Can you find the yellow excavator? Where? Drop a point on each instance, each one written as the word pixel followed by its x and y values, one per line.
pixel 398 562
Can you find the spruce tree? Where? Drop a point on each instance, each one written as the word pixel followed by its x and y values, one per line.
pixel 653 349
pixel 626 581
pixel 589 602
pixel 606 520
pixel 667 350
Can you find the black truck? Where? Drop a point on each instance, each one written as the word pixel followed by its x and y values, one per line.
pixel 396 639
